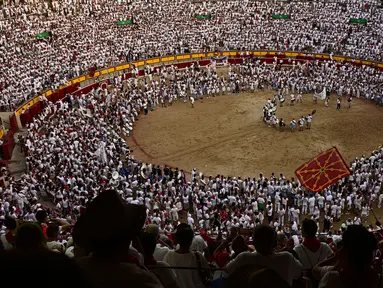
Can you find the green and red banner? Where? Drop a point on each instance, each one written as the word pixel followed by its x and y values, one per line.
pixel 357 21
pixel 280 16
pixel 203 17
pixel 126 22
pixel 43 35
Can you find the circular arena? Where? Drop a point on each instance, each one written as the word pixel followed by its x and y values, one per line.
pixel 231 127
pixel 187 144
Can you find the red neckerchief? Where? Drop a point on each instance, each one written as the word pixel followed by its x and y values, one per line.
pixel 221 258
pixel 151 261
pixel 312 244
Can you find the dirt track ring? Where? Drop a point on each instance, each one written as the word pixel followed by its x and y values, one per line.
pixel 226 134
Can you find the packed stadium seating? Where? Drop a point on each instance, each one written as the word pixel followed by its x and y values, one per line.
pixel 70 74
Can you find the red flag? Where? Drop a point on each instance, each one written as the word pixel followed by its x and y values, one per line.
pixel 323 170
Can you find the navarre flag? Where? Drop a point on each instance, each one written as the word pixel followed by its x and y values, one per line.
pixel 323 170
pixel 280 16
pixel 357 21
pixel 43 35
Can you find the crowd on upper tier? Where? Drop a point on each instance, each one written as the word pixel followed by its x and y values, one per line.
pixel 85 34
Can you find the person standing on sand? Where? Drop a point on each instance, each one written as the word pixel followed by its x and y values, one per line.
pixel 349 101
pixel 192 101
pixel 301 121
pixel 309 118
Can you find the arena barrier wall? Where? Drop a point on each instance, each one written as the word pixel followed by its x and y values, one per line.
pixel 34 106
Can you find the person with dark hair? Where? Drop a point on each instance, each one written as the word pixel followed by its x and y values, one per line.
pixel 311 251
pixel 265 242
pixel 35 265
pixel 161 269
pixel 41 216
pixel 163 243
pixel 239 246
pixel 184 257
pixel 7 240
pixel 52 237
pixel 30 237
pixel 43 219
pixel 354 262
pixel 81 248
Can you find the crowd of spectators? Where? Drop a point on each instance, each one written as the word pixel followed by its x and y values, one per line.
pixel 132 223
pixel 85 35
pixel 123 253
pixel 76 150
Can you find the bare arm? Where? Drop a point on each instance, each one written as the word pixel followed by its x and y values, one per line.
pixel 317 270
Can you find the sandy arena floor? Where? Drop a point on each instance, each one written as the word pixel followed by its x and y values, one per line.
pixel 226 135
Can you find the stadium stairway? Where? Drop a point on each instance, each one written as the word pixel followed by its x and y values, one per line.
pixel 16 165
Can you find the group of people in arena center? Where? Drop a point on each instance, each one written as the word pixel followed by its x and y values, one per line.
pixel 139 224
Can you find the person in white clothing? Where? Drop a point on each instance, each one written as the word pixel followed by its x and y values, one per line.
pixel 160 269
pixel 291 214
pixel 281 216
pixel 355 262
pixel 162 248
pixel 174 215
pixel 192 101
pixel 190 221
pixel 321 200
pixel 334 209
pixel 184 257
pixel 198 244
pixel 364 213
pixel 283 263
pixel 305 203
pixel 7 239
pixel 295 214
pixel 311 251
pixel 380 199
pixel 311 204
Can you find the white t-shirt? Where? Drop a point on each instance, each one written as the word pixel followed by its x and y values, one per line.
pixel 186 278
pixel 309 259
pixel 198 244
pixel 332 280
pixel 160 252
pixel 165 275
pixel 55 246
pixel 296 240
pixel 4 241
pixel 283 263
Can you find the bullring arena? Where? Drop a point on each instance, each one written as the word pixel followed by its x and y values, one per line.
pixel 186 144
pixel 231 127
